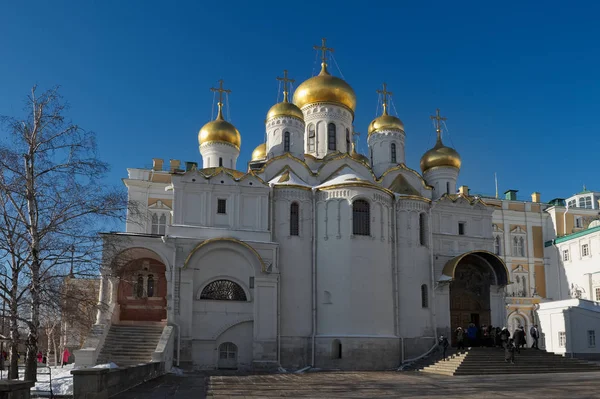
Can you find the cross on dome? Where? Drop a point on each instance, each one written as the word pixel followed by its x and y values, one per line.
pixel 438 125
pixel 385 95
pixel 285 81
pixel 220 90
pixel 324 49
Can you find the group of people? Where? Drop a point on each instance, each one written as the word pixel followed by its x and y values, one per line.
pixel 64 359
pixel 490 336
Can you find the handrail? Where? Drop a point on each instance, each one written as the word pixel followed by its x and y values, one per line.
pixel 408 362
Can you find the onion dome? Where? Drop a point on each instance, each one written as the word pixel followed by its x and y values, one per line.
pixel 260 152
pixel 440 155
pixel 385 122
pixel 285 108
pixel 325 88
pixel 220 131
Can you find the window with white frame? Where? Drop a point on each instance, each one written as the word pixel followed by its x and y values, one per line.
pixel 565 255
pixel 311 137
pixel 159 223
pixel 588 203
pixel 585 250
pixel 572 204
pixel 562 339
pixel 578 222
pixel 591 334
pixel 597 291
pixel 519 246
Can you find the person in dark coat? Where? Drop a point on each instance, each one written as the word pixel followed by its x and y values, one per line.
pixel 519 338
pixel 504 337
pixel 509 352
pixel 443 343
pixel 460 339
pixel 497 341
pixel 535 335
pixel 472 334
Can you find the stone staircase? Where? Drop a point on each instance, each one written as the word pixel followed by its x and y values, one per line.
pixel 126 345
pixel 489 361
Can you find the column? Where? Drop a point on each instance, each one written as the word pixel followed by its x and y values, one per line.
pixel 102 298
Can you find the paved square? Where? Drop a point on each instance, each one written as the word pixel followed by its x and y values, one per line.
pixel 369 385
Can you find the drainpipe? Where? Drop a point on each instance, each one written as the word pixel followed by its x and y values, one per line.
pixel 395 277
pixel 173 301
pixel 432 270
pixel 565 221
pixel 314 274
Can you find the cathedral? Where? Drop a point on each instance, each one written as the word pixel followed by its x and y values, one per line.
pixel 317 255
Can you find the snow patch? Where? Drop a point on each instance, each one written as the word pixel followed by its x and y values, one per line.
pixel 176 371
pixel 62 380
pixel 110 365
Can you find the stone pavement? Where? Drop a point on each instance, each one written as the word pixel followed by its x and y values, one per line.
pixel 369 385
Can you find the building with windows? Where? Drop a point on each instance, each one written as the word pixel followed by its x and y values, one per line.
pixel 318 255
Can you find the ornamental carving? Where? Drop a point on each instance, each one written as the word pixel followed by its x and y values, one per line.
pixel 293 194
pixel 412 205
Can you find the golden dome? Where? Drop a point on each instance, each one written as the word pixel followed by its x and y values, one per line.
pixel 259 152
pixel 221 131
pixel 385 122
pixel 440 155
pixel 285 108
pixel 326 89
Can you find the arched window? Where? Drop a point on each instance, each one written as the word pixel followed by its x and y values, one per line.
pixel 162 224
pixel 223 290
pixel 348 142
pixel 448 187
pixel 139 287
pixel 497 245
pixel 424 296
pixel 228 355
pixel 311 138
pixel 150 284
pixel 361 218
pixel 336 349
pixel 294 219
pixel 220 161
pixel 518 246
pixel 154 223
pixel 393 149
pixel 331 137
pixel 422 229
pixel 521 246
pixel 286 141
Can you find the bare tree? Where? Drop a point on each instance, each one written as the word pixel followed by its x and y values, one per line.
pixel 52 177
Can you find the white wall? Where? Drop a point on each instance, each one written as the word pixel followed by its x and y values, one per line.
pixel 380 146
pixel 320 115
pixel 213 151
pixel 276 128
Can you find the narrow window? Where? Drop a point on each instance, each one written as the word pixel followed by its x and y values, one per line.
pixel 154 223
pixel 497 245
pixel 361 218
pixel 348 142
pixel 336 349
pixel 582 202
pixel 220 161
pixel 162 224
pixel 393 149
pixel 461 228
pixel 294 219
pixel 424 296
pixel 588 202
pixel 221 206
pixel 286 142
pixel 422 229
pixel 311 138
pixel 591 338
pixel 521 246
pixel 562 339
pixel 597 294
pixel 150 284
pixel 566 255
pixel 448 187
pixel 331 144
pixel 139 287
pixel 585 250
pixel 578 222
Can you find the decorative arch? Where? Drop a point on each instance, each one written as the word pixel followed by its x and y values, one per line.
pixel 230 324
pixel 127 255
pixel 225 239
pixel 496 263
pixel 521 316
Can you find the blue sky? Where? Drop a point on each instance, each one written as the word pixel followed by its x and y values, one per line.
pixel 517 80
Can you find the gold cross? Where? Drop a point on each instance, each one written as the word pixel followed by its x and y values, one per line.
pixel 324 49
pixel 438 119
pixel 221 90
pixel 285 81
pixel 385 95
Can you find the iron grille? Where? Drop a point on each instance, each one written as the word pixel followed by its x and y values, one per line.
pixel 223 290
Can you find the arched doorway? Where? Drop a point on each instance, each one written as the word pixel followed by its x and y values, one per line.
pixel 472 277
pixel 142 291
pixel 228 355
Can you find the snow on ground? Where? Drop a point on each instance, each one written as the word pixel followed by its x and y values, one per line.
pixel 110 365
pixel 62 380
